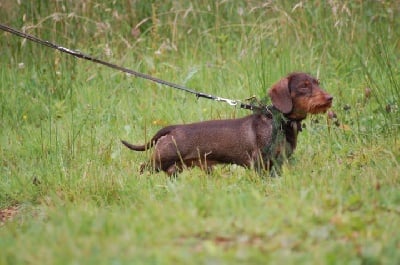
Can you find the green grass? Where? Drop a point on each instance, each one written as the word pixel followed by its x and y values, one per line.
pixel 77 190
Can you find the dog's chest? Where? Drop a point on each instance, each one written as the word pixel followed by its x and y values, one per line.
pixel 282 141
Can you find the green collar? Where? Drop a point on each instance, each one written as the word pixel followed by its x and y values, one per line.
pixel 281 127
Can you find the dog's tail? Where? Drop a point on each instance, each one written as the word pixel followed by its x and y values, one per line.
pixel 152 142
pixel 137 147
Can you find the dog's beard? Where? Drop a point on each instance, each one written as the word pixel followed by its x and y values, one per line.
pixel 319 108
pixel 316 105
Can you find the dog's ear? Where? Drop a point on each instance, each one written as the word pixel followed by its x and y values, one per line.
pixel 280 96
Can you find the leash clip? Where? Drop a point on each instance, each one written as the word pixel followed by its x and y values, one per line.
pixel 231 102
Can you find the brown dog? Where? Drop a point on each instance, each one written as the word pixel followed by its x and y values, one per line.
pixel 258 140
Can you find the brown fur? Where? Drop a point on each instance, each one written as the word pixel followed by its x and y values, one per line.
pixel 242 141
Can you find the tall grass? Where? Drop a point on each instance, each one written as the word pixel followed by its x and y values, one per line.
pixel 78 194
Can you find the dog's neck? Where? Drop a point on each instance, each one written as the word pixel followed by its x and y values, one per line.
pixel 281 119
pixel 286 126
pixel 284 134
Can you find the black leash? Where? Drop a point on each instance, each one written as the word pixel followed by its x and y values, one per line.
pixel 125 70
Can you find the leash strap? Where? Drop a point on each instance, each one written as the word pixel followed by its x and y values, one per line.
pixel 81 55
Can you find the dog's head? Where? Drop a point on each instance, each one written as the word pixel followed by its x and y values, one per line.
pixel 299 94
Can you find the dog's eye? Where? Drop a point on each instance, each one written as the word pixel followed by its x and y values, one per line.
pixel 304 89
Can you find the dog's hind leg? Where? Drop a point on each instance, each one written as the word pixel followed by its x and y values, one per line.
pixel 173 170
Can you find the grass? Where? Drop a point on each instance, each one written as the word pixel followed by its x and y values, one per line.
pixel 75 194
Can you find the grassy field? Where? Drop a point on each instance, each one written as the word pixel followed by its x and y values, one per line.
pixel 70 193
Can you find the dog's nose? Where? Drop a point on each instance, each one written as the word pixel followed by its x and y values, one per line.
pixel 329 98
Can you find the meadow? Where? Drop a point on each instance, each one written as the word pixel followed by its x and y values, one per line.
pixel 70 193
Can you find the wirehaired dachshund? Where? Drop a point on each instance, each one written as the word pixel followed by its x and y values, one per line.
pixel 260 140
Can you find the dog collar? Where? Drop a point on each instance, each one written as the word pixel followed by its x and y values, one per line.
pixel 280 127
